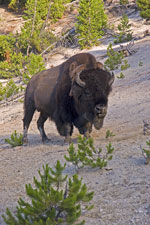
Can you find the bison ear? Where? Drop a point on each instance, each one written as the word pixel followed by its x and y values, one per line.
pixel 100 65
pixel 112 79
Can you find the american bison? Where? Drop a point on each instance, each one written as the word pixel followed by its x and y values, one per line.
pixel 74 93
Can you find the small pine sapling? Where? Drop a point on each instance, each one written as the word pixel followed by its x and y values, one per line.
pixel 15 139
pixel 125 65
pixel 125 33
pixel 88 155
pixel 55 199
pixel 109 134
pixel 140 63
pixel 146 152
pixel 2 92
pixel 114 58
pixel 121 76
pixel 9 90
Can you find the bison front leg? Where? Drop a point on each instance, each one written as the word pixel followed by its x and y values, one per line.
pixel 40 124
pixel 86 129
pixel 25 139
pixel 66 130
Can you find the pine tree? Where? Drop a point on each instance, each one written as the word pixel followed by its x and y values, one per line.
pixel 33 37
pixel 52 202
pixel 144 6
pixel 124 28
pixel 87 155
pixel 90 22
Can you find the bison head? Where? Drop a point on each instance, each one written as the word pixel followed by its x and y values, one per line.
pixel 90 89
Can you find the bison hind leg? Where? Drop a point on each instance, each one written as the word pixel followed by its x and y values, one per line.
pixel 28 114
pixel 40 124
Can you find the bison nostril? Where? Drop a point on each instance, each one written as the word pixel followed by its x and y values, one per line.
pixel 100 109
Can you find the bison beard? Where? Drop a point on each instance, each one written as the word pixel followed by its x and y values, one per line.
pixel 74 93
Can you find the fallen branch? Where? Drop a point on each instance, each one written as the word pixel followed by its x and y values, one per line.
pixel 60 42
pixel 126 49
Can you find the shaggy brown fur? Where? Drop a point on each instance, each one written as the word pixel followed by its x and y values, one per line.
pixel 49 93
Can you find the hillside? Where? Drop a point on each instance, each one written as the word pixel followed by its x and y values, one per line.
pixel 122 192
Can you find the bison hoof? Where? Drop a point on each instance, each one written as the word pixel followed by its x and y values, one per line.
pixel 46 140
pixel 87 135
pixel 68 139
pixel 25 142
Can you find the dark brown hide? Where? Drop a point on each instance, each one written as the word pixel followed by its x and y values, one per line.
pixel 48 92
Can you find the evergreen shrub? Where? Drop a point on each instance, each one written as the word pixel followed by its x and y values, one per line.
pixel 87 155
pixel 55 199
pixel 114 58
pixel 144 6
pixel 124 29
pixel 91 22
pixel 15 139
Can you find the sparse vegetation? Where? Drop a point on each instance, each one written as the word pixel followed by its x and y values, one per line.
pixel 146 152
pixel 91 22
pixel 114 58
pixel 124 29
pixel 109 134
pixel 88 155
pixel 55 199
pixel 9 90
pixel 140 63
pixel 121 76
pixel 125 65
pixel 124 2
pixel 15 64
pixel 24 66
pixel 144 6
pixel 15 139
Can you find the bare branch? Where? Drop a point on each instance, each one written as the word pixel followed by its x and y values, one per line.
pixel 34 17
pixel 33 25
pixel 126 49
pixel 47 17
pixel 58 43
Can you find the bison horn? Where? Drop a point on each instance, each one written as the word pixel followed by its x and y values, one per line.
pixel 112 79
pixel 77 78
pixel 75 72
pixel 100 65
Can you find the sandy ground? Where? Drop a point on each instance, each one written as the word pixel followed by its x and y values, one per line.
pixel 122 194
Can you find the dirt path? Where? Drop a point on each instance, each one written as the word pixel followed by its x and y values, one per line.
pixel 122 195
